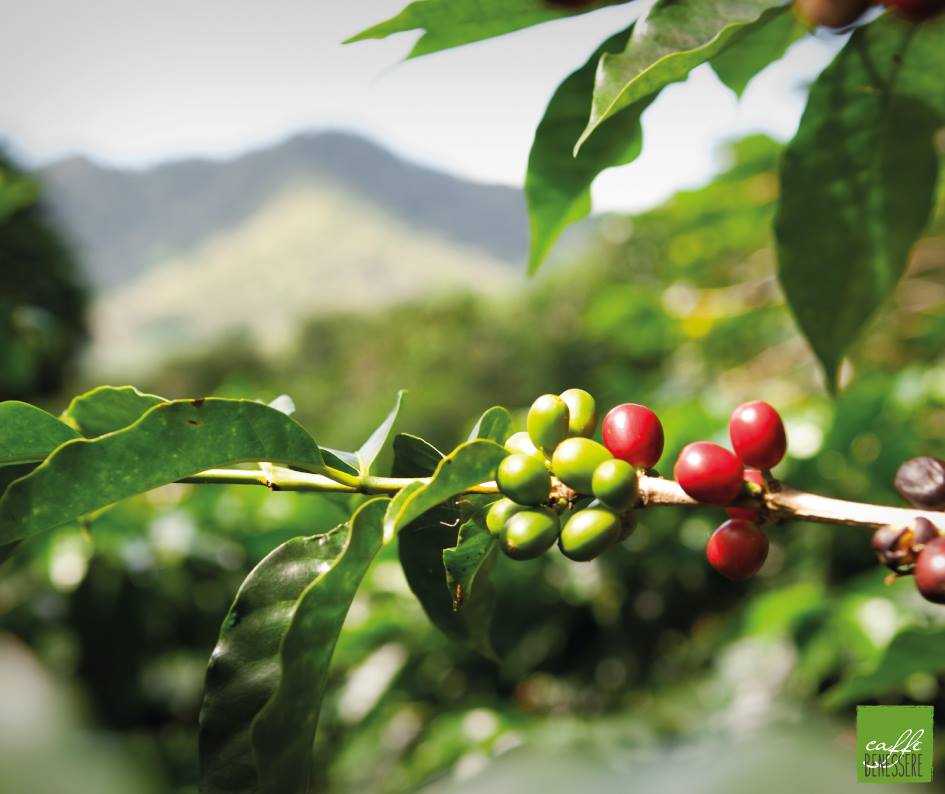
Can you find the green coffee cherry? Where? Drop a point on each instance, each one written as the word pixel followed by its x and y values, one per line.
pixel 499 513
pixel 615 484
pixel 582 412
pixel 575 460
pixel 521 443
pixel 547 422
pixel 628 523
pixel 523 479
pixel 529 533
pixel 588 532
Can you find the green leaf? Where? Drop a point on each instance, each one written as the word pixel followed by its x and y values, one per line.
pixel 29 434
pixel 244 669
pixel 495 424
pixel 469 464
pixel 913 650
pixel 376 455
pixel 452 23
pixel 171 441
pixel 108 408
pixel 284 731
pixel 858 180
pixel 674 38
pixel 757 47
pixel 558 182
pixel 468 570
pixel 414 457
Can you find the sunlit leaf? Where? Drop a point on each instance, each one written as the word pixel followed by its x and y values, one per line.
pixel 29 434
pixel 673 39
pixel 284 731
pixel 451 23
pixel 558 183
pixel 376 455
pixel 858 180
pixel 172 440
pixel 757 47
pixel 469 464
pixel 495 424
pixel 108 408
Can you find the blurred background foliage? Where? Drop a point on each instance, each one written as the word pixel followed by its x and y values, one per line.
pixel 627 668
pixel 42 300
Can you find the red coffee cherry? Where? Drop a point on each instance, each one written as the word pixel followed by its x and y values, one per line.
pixel 709 473
pixel 757 434
pixel 633 433
pixel 930 571
pixel 752 514
pixel 737 549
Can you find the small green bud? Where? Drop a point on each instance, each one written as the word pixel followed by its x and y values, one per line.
pixel 529 533
pixel 547 422
pixel 524 479
pixel 499 513
pixel 522 444
pixel 588 532
pixel 582 412
pixel 615 484
pixel 575 460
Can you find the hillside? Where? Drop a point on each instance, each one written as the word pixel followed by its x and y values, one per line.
pixel 126 222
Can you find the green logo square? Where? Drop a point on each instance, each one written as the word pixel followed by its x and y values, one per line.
pixel 894 744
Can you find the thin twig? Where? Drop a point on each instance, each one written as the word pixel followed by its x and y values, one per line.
pixel 783 503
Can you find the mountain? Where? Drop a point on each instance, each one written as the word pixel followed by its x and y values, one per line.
pixel 184 252
pixel 126 221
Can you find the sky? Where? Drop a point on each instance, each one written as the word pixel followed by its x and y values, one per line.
pixel 136 83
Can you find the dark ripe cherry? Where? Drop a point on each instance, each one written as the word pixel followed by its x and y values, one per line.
pixel 916 10
pixel 709 473
pixel 921 481
pixel 633 433
pixel 753 514
pixel 757 434
pixel 930 571
pixel 737 549
pixel 896 547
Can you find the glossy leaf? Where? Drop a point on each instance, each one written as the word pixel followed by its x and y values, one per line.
pixel 284 731
pixel 756 48
pixel 451 23
pixel 469 464
pixel 414 457
pixel 913 650
pixel 28 433
pixel 858 180
pixel 171 441
pixel 673 39
pixel 495 424
pixel 468 570
pixel 245 669
pixel 376 455
pixel 108 408
pixel 558 183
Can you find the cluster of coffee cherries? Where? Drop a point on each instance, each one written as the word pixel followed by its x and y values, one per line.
pixel 839 14
pixel 589 507
pixel 714 475
pixel 918 548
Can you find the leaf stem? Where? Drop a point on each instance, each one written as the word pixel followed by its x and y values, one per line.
pixel 782 503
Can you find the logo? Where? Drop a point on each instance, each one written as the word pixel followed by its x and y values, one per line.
pixel 894 744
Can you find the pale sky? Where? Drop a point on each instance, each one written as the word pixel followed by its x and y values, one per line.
pixel 136 83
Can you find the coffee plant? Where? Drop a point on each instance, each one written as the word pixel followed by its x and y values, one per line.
pixel 499 491
pixel 857 182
